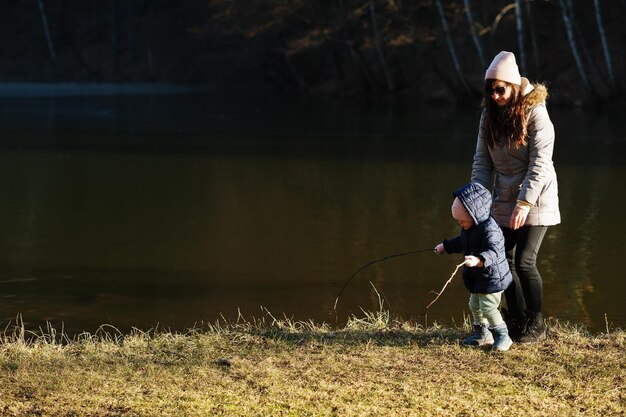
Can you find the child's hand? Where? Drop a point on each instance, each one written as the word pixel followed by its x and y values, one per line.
pixel 472 261
pixel 439 249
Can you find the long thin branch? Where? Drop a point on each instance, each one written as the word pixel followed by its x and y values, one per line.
pixel 446 284
pixel 496 21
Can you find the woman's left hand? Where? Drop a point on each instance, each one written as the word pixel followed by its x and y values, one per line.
pixel 518 218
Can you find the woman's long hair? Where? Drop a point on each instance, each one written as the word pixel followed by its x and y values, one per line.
pixel 505 125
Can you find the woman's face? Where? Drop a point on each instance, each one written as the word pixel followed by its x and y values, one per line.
pixel 500 92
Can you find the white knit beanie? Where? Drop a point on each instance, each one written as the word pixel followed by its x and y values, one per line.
pixel 504 68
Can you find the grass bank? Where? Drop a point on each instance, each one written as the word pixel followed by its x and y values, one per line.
pixel 371 367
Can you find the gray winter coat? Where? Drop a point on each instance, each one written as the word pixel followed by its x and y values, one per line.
pixel 524 174
pixel 483 240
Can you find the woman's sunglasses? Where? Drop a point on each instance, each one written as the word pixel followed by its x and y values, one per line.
pixel 500 90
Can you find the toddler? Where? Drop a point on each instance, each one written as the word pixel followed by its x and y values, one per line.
pixel 486 272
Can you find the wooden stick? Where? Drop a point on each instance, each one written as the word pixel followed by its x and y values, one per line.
pixel 446 284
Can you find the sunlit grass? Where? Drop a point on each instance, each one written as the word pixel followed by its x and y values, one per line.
pixel 374 365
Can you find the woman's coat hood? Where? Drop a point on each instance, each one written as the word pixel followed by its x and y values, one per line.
pixel 534 95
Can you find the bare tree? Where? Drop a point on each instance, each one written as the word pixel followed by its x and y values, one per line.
pixel 46 29
pixel 566 12
pixel 129 39
pixel 533 35
pixel 520 35
pixel 114 36
pixel 477 44
pixel 379 48
pixel 605 46
pixel 455 60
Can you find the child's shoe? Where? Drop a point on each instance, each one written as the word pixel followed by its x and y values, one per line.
pixel 481 336
pixel 502 342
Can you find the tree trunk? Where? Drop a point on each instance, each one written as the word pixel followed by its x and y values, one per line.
pixel 129 39
pixel 114 37
pixel 379 48
pixel 455 60
pixel 46 29
pixel 605 46
pixel 533 37
pixel 569 27
pixel 520 36
pixel 477 44
pixel 361 68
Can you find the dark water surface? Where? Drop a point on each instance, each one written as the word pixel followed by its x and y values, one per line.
pixel 173 211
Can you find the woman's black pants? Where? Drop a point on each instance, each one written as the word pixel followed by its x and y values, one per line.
pixel 526 291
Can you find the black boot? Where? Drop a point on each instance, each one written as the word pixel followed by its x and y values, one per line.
pixel 516 324
pixel 535 329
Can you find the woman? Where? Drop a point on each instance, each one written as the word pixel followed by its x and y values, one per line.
pixel 515 142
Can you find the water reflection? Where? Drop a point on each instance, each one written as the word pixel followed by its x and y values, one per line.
pixel 140 228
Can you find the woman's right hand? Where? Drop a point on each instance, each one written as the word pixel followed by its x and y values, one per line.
pixel 518 218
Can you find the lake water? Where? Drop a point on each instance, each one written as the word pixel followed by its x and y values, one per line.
pixel 177 210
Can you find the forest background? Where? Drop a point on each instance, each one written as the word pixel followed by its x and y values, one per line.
pixel 434 50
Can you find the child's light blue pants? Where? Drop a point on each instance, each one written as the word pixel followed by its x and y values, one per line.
pixel 484 308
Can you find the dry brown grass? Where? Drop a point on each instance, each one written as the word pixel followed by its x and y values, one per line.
pixel 371 367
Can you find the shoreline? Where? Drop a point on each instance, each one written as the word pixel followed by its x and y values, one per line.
pixel 80 89
pixel 269 367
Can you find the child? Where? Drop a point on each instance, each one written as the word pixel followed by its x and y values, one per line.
pixel 486 272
